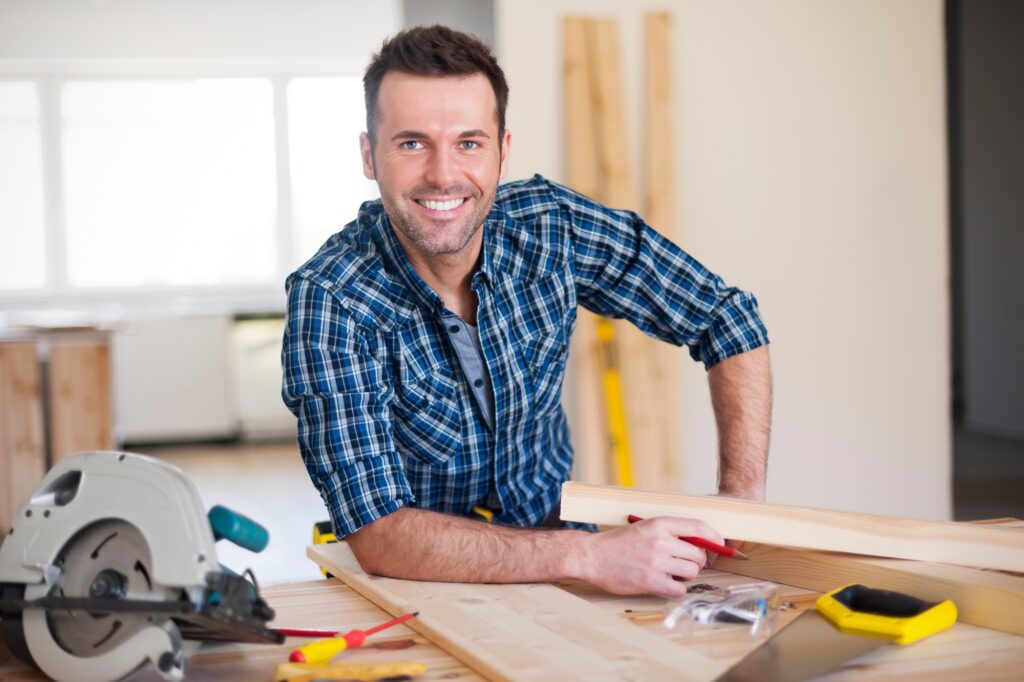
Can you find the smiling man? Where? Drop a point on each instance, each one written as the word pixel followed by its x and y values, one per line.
pixel 426 345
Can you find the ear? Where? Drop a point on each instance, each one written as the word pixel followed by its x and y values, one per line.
pixel 366 151
pixel 506 142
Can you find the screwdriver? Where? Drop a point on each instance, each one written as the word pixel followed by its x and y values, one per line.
pixel 703 544
pixel 324 650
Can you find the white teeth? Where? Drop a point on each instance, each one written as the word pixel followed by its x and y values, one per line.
pixel 442 205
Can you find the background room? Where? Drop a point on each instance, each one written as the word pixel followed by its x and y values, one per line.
pixel 164 165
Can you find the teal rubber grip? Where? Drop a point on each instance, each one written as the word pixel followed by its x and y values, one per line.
pixel 239 529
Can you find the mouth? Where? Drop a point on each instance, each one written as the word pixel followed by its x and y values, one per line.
pixel 443 207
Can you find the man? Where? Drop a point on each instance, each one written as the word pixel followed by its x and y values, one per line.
pixel 426 344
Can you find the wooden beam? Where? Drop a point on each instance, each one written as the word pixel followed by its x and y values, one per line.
pixel 580 133
pixel 522 632
pixel 22 453
pixel 774 524
pixel 590 434
pixel 662 467
pixel 636 352
pixel 991 599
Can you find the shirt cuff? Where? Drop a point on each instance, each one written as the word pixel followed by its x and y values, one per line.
pixel 737 328
pixel 357 495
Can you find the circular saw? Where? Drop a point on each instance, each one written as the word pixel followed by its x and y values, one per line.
pixel 111 565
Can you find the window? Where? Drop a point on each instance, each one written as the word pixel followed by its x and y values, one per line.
pixel 22 219
pixel 169 182
pixel 325 117
pixel 164 183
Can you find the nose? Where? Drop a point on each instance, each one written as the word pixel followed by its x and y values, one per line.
pixel 442 169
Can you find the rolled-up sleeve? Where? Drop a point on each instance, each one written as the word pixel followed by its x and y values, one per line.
pixel 339 392
pixel 625 270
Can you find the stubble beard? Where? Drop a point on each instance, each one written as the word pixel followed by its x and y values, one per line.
pixel 444 237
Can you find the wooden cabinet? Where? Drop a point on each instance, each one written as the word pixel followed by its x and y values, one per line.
pixel 55 400
pixel 22 446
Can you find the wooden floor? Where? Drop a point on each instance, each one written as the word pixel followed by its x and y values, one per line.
pixel 267 483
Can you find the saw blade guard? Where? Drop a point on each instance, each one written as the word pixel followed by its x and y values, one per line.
pixel 153 496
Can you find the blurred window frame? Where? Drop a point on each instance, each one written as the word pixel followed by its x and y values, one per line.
pixel 56 291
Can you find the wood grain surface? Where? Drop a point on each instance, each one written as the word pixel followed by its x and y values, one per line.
pixel 522 632
pixel 991 599
pixel 22 450
pixel 982 546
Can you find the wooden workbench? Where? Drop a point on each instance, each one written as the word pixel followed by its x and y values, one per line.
pixel 961 653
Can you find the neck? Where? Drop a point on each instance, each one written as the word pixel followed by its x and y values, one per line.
pixel 449 274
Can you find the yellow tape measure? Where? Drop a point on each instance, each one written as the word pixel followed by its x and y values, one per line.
pixel 323 533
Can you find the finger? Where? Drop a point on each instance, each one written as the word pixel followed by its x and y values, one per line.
pixel 669 587
pixel 683 569
pixel 694 527
pixel 681 549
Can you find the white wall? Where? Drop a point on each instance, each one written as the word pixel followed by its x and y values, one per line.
pixel 811 154
pixel 81 29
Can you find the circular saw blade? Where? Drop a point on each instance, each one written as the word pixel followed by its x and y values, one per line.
pixel 107 559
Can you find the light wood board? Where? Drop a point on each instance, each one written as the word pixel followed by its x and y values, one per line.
pixel 81 415
pixel 522 632
pixel 773 524
pixel 22 454
pixel 662 468
pixel 987 598
pixel 590 434
pixel 641 374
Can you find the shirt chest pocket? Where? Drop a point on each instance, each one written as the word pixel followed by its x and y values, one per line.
pixel 427 419
pixel 545 354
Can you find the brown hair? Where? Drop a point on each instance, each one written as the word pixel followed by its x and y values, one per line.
pixel 433 51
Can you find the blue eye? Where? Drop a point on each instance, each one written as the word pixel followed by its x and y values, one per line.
pixel 409 144
pixel 469 144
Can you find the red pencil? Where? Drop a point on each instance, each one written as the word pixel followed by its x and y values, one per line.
pixel 703 544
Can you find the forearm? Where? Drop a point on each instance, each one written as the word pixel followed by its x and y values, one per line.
pixel 418 544
pixel 741 394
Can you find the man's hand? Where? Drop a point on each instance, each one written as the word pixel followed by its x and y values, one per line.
pixel 647 557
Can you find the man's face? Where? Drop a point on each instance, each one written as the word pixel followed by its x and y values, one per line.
pixel 437 159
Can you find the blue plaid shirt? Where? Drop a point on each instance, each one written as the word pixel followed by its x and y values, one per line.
pixel 387 420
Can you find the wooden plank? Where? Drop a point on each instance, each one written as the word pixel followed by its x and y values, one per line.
pixel 81 416
pixel 636 352
pixel 22 454
pixel 590 437
pixel 946 542
pixel 991 599
pixel 325 604
pixel 522 632
pixel 612 133
pixel 662 468
pixel 580 134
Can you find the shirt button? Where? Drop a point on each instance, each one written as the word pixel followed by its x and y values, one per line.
pixel 454 328
pixel 478 383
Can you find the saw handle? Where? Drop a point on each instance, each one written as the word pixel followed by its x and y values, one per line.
pixel 239 529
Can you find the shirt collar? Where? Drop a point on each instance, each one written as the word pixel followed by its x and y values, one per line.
pixel 399 263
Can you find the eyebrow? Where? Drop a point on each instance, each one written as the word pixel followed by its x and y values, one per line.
pixel 417 135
